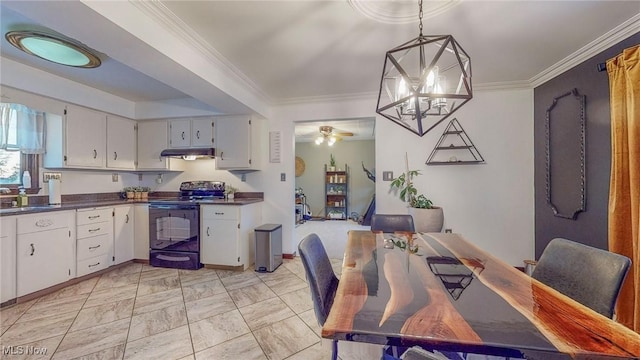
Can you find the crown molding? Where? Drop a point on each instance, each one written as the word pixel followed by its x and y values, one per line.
pixel 164 16
pixel 610 38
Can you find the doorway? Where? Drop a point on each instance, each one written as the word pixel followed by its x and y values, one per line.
pixel 353 146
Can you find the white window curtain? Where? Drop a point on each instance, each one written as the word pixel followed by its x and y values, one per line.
pixel 21 129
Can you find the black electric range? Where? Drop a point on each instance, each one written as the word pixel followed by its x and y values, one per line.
pixel 174 225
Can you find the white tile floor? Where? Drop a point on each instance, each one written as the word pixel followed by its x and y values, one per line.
pixel 141 312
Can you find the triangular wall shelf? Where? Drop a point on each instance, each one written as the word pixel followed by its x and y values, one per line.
pixel 454 148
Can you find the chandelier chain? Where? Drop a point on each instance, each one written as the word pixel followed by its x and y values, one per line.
pixel 420 16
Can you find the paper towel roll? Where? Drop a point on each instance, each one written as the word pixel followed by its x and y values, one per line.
pixel 54 192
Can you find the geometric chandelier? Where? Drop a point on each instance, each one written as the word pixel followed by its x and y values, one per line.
pixel 424 81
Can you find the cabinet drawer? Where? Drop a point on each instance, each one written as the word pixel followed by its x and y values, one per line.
pixel 94 246
pixel 92 216
pixel 93 264
pixel 96 229
pixel 43 222
pixel 220 212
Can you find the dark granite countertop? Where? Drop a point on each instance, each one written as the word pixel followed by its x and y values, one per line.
pixel 93 203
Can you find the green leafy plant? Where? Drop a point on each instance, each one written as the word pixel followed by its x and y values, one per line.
pixel 408 192
pixel 229 189
pixel 332 160
pixel 129 189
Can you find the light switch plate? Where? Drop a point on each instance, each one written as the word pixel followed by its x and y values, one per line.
pixel 387 176
pixel 114 177
pixel 283 177
pixel 46 176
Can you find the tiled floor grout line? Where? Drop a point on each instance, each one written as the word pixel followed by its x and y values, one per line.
pixel 133 307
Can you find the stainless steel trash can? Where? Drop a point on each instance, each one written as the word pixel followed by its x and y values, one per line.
pixel 268 247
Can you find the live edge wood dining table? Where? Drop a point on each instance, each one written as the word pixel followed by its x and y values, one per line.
pixel 452 296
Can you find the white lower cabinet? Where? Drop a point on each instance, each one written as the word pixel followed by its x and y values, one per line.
pixel 141 237
pixel 94 240
pixel 7 258
pixel 226 233
pixel 45 250
pixel 123 234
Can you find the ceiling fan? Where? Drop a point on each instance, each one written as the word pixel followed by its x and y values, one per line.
pixel 326 133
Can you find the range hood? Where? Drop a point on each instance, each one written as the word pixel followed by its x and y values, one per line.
pixel 190 153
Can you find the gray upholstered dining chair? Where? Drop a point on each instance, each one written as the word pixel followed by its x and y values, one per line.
pixel 322 280
pixel 591 276
pixel 418 353
pixel 392 222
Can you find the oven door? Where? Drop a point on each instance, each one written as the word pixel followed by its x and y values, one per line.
pixel 174 227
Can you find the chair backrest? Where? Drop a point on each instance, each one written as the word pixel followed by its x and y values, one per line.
pixel 591 276
pixel 392 222
pixel 322 281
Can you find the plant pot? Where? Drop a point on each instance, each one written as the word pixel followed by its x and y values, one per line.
pixel 130 194
pixel 332 168
pixel 137 195
pixel 427 220
pixel 230 196
pixel 144 195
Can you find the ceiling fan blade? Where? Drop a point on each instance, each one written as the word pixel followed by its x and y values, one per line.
pixel 346 133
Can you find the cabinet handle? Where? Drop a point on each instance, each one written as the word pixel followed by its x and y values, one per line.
pixel 115 155
pixel 219 213
pixel 94 230
pixel 198 134
pixel 221 155
pixel 95 154
pixel 94 247
pixel 127 219
pixel 183 135
pixel 94 217
pixel 208 231
pixel 33 250
pixel 96 264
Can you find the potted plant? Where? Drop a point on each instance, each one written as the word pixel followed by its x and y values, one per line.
pixel 426 216
pixel 332 163
pixel 229 191
pixel 137 192
pixel 144 192
pixel 129 191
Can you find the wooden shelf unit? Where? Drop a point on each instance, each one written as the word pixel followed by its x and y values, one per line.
pixel 336 193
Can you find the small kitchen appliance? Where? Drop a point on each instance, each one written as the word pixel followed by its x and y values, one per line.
pixel 174 225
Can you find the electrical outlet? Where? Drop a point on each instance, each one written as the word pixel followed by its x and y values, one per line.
pixel 283 177
pixel 114 177
pixel 387 176
pixel 448 231
pixel 46 176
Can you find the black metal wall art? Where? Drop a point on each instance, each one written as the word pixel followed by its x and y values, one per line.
pixel 565 155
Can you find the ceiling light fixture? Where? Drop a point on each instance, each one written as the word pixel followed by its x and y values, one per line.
pixel 424 81
pixel 53 48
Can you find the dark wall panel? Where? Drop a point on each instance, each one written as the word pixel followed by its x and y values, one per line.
pixel 590 226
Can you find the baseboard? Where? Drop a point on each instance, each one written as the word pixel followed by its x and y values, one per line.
pixel 289 256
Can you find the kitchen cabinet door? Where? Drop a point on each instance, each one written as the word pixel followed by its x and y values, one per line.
pixel 7 258
pixel 219 243
pixel 45 250
pixel 44 260
pixel 180 133
pixel 141 237
pixel 152 139
pixel 124 232
pixel 84 138
pixel 202 132
pixel 121 143
pixel 233 148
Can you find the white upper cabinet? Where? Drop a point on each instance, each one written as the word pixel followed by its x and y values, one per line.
pixel 180 133
pixel 121 143
pixel 88 139
pixel 76 140
pixel 238 144
pixel 202 132
pixel 197 132
pixel 152 139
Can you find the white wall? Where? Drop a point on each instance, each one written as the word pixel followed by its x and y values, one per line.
pixel 491 204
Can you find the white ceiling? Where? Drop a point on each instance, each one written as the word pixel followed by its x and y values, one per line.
pixel 284 51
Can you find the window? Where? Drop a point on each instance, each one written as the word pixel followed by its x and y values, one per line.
pixel 13 161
